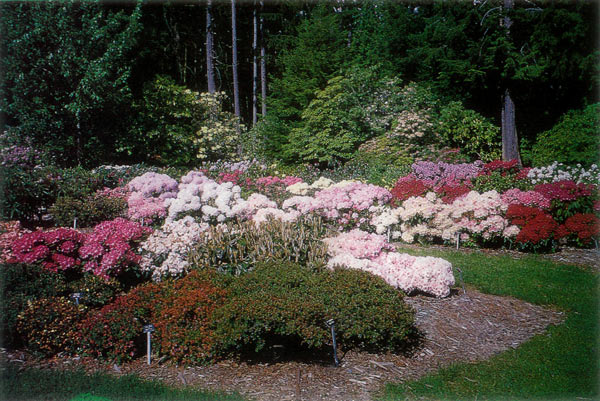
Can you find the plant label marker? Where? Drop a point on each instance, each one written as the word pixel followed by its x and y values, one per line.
pixel 76 296
pixel 457 239
pixel 331 324
pixel 75 223
pixel 148 329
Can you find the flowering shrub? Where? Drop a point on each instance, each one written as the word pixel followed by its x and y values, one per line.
pixel 49 325
pixel 583 228
pixel 200 196
pixel 564 190
pixel 526 198
pixel 344 204
pixel 407 187
pixel 54 250
pixel 302 188
pixel 504 167
pixel 560 172
pixel 165 252
pixel 148 193
pixel 539 231
pixel 95 291
pixel 449 192
pixel 436 174
pixel 363 251
pixel 110 247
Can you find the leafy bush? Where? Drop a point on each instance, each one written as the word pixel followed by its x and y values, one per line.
pixel 286 302
pixel 184 322
pixel 89 211
pixel 241 246
pixel 574 139
pixel 49 325
pixel 475 135
pixel 178 126
pixel 113 331
pixel 20 284
pixel 539 231
pixel 96 291
pixel 407 187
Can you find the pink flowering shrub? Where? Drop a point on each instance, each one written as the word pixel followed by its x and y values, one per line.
pixel 437 174
pixel 371 252
pixel 148 192
pixel 111 246
pixel 526 198
pixel 345 204
pixel 566 190
pixel 54 250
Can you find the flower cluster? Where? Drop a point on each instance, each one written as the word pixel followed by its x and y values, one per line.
pixel 165 252
pixel 503 167
pixel 54 250
pixel 200 196
pixel 559 172
pixel 109 248
pixel 565 190
pixel 406 187
pixel 584 227
pixel 526 198
pixel 148 194
pixel 537 226
pixel 371 252
pixel 302 188
pixel 437 174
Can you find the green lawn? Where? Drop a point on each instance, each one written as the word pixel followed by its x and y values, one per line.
pixel 55 385
pixel 560 364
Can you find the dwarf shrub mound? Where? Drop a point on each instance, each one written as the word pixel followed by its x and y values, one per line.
pixel 49 325
pixel 19 284
pixel 286 302
pixel 89 211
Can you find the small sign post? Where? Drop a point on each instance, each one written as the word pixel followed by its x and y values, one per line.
pixel 148 329
pixel 76 296
pixel 331 324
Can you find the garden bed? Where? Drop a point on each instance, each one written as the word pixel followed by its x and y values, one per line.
pixel 463 327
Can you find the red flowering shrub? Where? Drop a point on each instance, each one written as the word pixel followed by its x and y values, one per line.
pixel 54 250
pixel 583 227
pixel 449 192
pixel 500 166
pixel 110 247
pixel 49 325
pixel 112 332
pixel 184 321
pixel 565 190
pixel 539 230
pixel 406 187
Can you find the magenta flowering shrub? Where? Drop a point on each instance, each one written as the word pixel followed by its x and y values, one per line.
pixel 271 180
pixel 372 253
pixel 54 250
pixel 566 190
pixel 111 246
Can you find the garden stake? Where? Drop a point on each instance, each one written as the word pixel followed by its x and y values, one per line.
pixel 148 329
pixel 462 283
pixel 331 324
pixel 457 240
pixel 75 223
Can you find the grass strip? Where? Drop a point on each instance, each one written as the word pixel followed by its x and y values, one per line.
pixel 559 364
pixel 57 385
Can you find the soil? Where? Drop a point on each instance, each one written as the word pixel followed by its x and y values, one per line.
pixel 466 326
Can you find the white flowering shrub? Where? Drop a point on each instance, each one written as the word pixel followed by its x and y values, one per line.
pixel 560 172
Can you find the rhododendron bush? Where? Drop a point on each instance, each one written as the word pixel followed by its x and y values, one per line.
pixel 371 252
pixel 54 250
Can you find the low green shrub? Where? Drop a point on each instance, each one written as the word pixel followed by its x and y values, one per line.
pixel 20 284
pixel 88 211
pixel 96 291
pixel 48 326
pixel 285 302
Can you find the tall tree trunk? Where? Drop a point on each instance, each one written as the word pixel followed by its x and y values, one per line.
pixel 510 140
pixel 210 67
pixel 254 65
pixel 263 64
pixel 234 61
